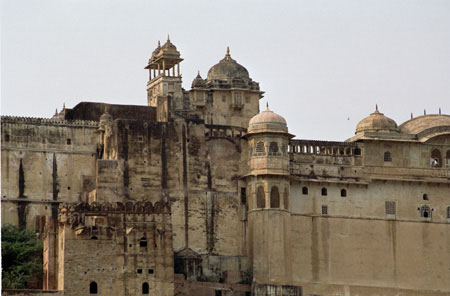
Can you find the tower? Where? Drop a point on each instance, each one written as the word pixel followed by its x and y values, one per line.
pixel 228 96
pixel 165 75
pixel 269 187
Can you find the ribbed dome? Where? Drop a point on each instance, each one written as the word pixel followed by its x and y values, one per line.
pixel 376 122
pixel 267 121
pixel 227 69
pixel 425 122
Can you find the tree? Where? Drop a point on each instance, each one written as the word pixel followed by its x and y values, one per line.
pixel 21 257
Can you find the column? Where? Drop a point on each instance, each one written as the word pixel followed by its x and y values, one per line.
pixel 164 68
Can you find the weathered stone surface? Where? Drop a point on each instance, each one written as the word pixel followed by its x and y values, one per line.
pixel 231 210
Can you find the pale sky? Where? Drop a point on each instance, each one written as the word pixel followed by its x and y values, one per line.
pixel 322 64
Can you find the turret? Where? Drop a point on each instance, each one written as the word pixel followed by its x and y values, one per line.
pixel 165 75
pixel 269 186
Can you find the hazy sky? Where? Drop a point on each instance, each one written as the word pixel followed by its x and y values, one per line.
pixel 323 64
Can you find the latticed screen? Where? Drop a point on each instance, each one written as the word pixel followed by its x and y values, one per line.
pixel 324 210
pixel 390 208
pixel 259 147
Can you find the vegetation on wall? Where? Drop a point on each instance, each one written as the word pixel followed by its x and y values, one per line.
pixel 21 257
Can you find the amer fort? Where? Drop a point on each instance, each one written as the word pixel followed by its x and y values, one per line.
pixel 199 192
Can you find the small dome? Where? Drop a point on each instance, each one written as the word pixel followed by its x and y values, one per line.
pixel 228 69
pixel 376 122
pixel 198 81
pixel 267 121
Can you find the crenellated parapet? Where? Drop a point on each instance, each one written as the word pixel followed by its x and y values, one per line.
pixel 105 215
pixel 48 121
pixel 129 207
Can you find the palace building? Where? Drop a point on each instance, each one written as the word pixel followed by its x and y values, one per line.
pixel 200 193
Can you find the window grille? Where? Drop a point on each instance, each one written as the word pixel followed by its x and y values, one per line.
pixel 390 207
pixel 260 147
pixel 273 147
pixel 387 156
pixel 448 212
pixel 425 211
pixel 324 210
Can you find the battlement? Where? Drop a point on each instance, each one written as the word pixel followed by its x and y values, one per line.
pixel 105 208
pixel 49 121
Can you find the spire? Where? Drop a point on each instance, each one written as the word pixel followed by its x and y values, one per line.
pixel 159 43
pixel 267 105
pixel 439 110
pixel 56 112
pixel 424 112
pixel 412 116
pixel 64 106
pixel 376 107
pixel 168 38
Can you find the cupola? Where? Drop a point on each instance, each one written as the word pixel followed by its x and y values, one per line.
pixel 376 122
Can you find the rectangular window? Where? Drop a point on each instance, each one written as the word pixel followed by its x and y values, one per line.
pixel 390 207
pixel 324 210
pixel 237 99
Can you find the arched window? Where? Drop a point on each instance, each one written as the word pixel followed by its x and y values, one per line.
pixel 145 288
pixel 259 148
pixel 274 197
pixel 260 198
pixel 93 288
pixel 343 192
pixel 436 158
pixel 425 211
pixel 387 156
pixel 286 199
pixel 324 191
pixel 425 196
pixel 143 242
pixel 305 190
pixel 273 147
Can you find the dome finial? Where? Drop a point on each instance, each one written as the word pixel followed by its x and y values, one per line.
pixel 412 116
pixel 159 43
pixel 168 37
pixel 439 110
pixel 376 107
pixel 56 112
pixel 424 111
pixel 267 105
